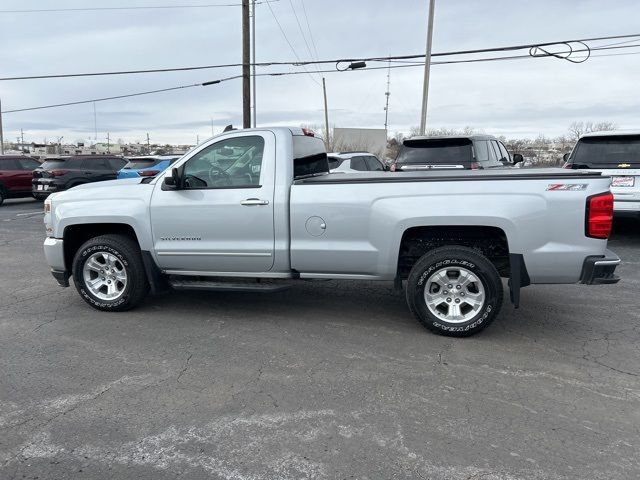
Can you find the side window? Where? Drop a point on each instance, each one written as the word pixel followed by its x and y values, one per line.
pixel 359 163
pixel 235 162
pixel 97 164
pixel 117 163
pixel 374 164
pixel 482 150
pixel 504 154
pixel 495 158
pixel 28 164
pixel 9 164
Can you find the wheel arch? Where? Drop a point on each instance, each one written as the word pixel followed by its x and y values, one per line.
pixel 75 235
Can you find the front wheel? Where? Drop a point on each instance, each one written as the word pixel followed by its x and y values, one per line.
pixel 454 291
pixel 109 274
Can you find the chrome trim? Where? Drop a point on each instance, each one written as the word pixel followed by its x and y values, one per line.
pixel 608 262
pixel 214 254
pixel 341 276
pixel 198 273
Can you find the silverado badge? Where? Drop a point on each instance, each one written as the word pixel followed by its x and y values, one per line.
pixel 624 165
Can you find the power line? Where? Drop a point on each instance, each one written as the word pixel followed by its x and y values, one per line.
pixel 295 54
pixel 300 63
pixel 333 70
pixel 304 38
pixel 306 18
pixel 115 97
pixel 152 7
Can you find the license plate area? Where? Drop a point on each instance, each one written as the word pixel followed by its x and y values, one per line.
pixel 623 182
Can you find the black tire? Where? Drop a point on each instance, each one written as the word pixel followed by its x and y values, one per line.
pixel 3 195
pixel 128 253
pixel 452 257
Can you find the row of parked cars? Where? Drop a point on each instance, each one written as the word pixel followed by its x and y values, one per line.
pixel 472 152
pixel 24 176
pixel 614 153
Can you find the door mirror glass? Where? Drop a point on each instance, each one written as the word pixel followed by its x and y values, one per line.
pixel 517 158
pixel 565 157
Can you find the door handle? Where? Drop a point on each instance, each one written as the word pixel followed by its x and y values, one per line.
pixel 254 201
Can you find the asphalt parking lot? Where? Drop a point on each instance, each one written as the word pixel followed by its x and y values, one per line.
pixel 326 380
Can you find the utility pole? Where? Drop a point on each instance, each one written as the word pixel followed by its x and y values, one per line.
pixel 386 107
pixel 427 69
pixel 108 150
pixel 148 147
pixel 253 61
pixel 1 134
pixel 327 142
pixel 246 78
pixel 21 138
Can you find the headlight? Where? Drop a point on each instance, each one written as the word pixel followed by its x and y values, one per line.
pixel 47 206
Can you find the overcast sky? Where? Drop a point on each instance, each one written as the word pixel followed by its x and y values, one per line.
pixel 512 98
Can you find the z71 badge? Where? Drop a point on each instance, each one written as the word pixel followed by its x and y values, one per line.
pixel 571 187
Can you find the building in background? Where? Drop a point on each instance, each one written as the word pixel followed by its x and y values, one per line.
pixel 372 140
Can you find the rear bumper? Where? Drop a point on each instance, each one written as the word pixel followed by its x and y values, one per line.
pixel 54 253
pixel 600 269
pixel 42 187
pixel 623 205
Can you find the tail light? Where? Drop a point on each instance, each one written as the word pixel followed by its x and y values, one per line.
pixel 57 173
pixel 148 173
pixel 392 168
pixel 568 165
pixel 475 166
pixel 599 215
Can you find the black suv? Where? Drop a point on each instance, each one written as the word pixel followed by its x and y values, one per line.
pixel 470 152
pixel 57 174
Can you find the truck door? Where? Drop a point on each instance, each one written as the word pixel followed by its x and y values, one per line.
pixel 221 217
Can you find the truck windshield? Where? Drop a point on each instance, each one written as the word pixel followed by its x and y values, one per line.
pixel 609 151
pixel 453 151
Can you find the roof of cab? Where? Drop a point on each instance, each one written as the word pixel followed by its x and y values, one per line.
pixel 453 137
pixel 611 133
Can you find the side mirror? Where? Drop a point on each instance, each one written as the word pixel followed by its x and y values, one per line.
pixel 565 157
pixel 174 180
pixel 517 158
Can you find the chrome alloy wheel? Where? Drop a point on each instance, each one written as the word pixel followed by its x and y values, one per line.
pixel 105 276
pixel 454 294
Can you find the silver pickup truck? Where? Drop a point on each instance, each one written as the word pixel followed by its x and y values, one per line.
pixel 254 210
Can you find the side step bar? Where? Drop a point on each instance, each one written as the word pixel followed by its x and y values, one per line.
pixel 222 286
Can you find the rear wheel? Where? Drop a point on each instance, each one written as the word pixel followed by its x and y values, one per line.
pixel 109 274
pixel 454 291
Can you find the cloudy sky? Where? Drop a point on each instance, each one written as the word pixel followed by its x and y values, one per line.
pixel 513 98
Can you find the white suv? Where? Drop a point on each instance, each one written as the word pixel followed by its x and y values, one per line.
pixel 354 162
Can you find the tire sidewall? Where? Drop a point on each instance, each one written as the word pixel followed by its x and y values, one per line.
pixel 479 321
pixel 81 258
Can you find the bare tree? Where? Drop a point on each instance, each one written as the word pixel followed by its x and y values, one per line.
pixel 576 129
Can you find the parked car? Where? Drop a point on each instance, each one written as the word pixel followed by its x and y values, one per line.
pixel 16 173
pixel 62 173
pixel 277 214
pixel 470 152
pixel 146 166
pixel 353 162
pixel 616 154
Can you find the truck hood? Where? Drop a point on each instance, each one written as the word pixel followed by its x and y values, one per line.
pixel 108 184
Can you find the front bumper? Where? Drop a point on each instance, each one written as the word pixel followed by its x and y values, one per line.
pixel 599 269
pixel 54 253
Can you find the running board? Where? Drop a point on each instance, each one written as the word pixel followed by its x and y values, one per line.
pixel 213 286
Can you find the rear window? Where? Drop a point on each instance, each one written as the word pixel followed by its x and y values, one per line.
pixel 455 151
pixel 610 151
pixel 137 163
pixel 309 156
pixel 53 164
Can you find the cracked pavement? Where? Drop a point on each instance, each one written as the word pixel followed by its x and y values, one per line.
pixel 326 380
